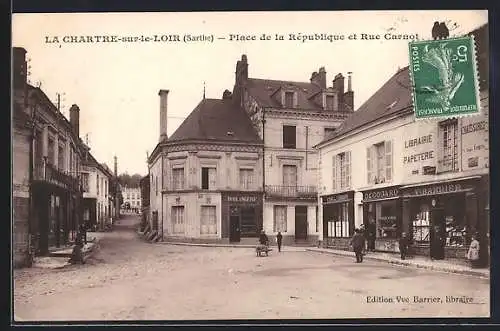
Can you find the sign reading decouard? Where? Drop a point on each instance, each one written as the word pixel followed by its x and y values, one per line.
pixel 382 194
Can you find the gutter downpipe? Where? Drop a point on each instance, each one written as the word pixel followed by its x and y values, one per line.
pixel 263 162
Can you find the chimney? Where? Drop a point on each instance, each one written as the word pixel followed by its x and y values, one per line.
pixel 19 68
pixel 163 114
pixel 319 78
pixel 338 85
pixel 74 119
pixel 242 71
pixel 349 95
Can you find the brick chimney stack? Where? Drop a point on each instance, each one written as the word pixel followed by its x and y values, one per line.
pixel 349 95
pixel 19 68
pixel 74 119
pixel 338 86
pixel 163 113
pixel 319 78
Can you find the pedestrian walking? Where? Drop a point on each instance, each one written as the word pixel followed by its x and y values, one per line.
pixel 279 239
pixel 358 242
pixel 371 233
pixel 473 252
pixel 404 243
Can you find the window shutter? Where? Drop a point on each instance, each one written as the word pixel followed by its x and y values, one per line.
pixel 388 160
pixel 348 168
pixel 295 99
pixel 212 172
pixel 369 169
pixel 334 173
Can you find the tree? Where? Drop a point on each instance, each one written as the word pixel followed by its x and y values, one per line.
pixel 127 180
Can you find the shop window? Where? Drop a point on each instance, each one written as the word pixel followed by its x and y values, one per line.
pixel 178 178
pixel 386 219
pixel 341 171
pixel 379 163
pixel 448 147
pixel 421 224
pixel 280 218
pixel 289 136
pixel 246 179
pixel 178 219
pixel 208 220
pixel 338 224
pixel 455 223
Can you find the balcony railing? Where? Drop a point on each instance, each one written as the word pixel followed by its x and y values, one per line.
pixel 48 173
pixel 303 192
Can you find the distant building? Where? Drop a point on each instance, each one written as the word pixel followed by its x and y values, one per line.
pixel 97 185
pixel 131 198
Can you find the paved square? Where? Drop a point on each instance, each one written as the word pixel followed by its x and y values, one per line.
pixel 131 279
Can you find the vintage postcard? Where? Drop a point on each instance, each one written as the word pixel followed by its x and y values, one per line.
pixel 212 166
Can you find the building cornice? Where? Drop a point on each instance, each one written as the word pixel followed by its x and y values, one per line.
pixel 319 115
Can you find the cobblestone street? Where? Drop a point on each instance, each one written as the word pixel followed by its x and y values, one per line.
pixel 132 279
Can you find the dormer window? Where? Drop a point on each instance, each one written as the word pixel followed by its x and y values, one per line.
pixel 329 102
pixel 289 99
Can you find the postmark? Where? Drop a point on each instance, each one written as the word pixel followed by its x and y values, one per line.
pixel 444 78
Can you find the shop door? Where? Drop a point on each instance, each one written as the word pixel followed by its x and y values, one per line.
pixel 300 222
pixel 437 233
pixel 234 224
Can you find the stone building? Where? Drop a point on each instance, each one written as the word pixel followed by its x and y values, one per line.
pixel 47 155
pixel 394 174
pixel 132 198
pixel 204 178
pixel 291 117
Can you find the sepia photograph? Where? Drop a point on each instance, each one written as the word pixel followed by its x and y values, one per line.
pixel 215 166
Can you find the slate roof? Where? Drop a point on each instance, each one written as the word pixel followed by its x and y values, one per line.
pixel 264 92
pixel 394 96
pixel 212 119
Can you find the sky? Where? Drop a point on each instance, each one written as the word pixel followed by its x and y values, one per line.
pixel 116 84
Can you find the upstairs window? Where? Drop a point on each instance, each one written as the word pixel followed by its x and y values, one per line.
pixel 208 179
pixel 379 162
pixel 246 179
pixel 289 136
pixel 178 178
pixel 289 99
pixel 448 146
pixel 341 171
pixel 329 132
pixel 329 102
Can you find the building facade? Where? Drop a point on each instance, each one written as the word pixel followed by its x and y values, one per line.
pixel 290 118
pixel 204 179
pixel 98 186
pixel 428 178
pixel 132 198
pixel 46 162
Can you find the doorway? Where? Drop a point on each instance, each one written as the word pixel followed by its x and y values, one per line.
pixel 300 222
pixel 234 225
pixel 437 233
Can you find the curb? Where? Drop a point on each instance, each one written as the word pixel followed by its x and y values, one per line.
pixel 205 245
pixel 407 264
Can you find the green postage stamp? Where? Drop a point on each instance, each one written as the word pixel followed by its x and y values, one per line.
pixel 444 78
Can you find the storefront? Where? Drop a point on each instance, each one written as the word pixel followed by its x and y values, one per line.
pixel 382 218
pixel 241 215
pixel 338 219
pixel 443 216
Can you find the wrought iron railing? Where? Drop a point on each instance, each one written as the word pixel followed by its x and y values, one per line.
pixel 45 171
pixel 308 192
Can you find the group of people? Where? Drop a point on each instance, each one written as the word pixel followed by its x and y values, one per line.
pixel 264 240
pixel 364 240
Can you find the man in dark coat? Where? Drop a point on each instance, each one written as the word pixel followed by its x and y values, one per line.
pixel 279 238
pixel 404 243
pixel 358 243
pixel 371 233
pixel 263 240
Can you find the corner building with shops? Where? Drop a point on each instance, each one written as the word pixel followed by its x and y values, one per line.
pixel 393 174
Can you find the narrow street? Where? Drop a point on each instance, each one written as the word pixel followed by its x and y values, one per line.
pixel 130 279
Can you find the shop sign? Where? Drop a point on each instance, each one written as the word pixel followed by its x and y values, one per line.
pixel 241 198
pixel 336 198
pixel 436 189
pixel 388 193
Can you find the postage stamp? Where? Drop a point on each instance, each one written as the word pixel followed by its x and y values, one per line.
pixel 444 78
